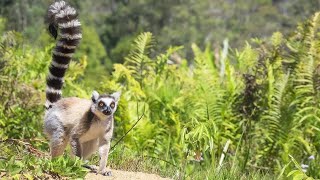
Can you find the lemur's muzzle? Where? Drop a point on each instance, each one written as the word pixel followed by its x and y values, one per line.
pixel 107 111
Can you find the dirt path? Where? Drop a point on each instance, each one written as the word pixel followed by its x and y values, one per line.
pixel 124 175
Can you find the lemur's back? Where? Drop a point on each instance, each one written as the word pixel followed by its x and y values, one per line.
pixel 69 111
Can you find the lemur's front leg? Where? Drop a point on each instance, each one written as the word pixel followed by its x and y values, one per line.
pixel 76 133
pixel 104 147
pixel 76 146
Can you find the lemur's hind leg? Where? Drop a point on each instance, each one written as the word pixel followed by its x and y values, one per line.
pixel 57 135
pixel 58 143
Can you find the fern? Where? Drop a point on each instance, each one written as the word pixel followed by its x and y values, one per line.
pixel 307 117
pixel 138 60
pixel 274 117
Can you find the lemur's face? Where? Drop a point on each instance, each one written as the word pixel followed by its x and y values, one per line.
pixel 105 105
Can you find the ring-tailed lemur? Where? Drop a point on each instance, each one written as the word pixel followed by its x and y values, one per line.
pixel 86 124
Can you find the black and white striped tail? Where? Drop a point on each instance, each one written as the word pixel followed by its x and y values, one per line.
pixel 63 23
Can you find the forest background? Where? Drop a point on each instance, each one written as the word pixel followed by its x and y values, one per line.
pixel 214 78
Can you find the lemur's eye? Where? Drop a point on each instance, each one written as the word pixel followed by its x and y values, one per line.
pixel 101 104
pixel 112 105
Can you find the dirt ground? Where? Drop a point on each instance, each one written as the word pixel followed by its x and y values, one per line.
pixel 124 175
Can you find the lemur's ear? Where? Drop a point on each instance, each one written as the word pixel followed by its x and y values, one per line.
pixel 116 95
pixel 95 96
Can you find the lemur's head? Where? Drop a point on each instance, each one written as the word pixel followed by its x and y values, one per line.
pixel 104 105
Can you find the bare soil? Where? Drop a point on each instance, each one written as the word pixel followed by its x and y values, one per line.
pixel 124 175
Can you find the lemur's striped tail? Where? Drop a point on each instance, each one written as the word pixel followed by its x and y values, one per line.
pixel 63 19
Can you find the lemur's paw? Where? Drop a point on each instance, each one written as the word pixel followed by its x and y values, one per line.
pixel 92 168
pixel 106 173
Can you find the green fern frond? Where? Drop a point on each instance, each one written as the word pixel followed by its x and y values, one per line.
pixel 138 60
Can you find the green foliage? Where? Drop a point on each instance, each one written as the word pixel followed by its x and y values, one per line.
pixel 92 47
pixel 35 167
pixel 267 102
pixel 205 22
pixel 65 166
pixel 226 114
pixel 298 174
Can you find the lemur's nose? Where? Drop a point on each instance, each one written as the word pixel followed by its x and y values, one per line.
pixel 108 111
